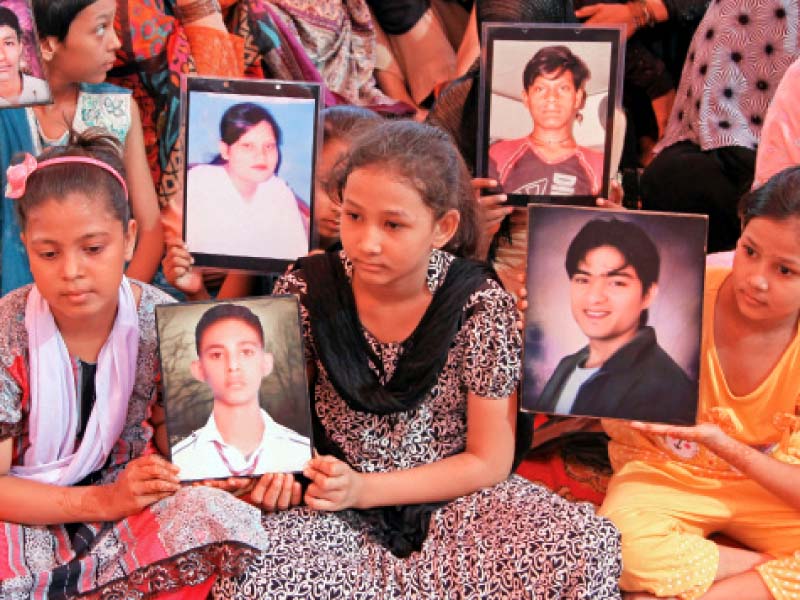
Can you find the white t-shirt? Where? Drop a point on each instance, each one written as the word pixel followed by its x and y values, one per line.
pixel 33 90
pixel 205 455
pixel 571 387
pixel 220 221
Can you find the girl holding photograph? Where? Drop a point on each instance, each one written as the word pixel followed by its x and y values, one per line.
pixel 16 87
pixel 86 505
pixel 415 358
pixel 78 46
pixel 238 205
pixel 736 472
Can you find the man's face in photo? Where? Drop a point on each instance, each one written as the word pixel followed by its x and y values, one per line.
pixel 606 296
pixel 553 100
pixel 232 362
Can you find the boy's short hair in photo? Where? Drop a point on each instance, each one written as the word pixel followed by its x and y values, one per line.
pixel 630 240
pixel 221 312
pixel 551 62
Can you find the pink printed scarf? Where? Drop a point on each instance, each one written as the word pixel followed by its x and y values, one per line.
pixel 53 419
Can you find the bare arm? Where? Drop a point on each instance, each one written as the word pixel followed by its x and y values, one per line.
pixel 144 481
pixel 144 204
pixel 776 476
pixel 486 460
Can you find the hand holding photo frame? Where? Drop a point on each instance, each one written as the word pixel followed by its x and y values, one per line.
pixel 22 78
pixel 235 388
pixel 250 148
pixel 614 319
pixel 548 97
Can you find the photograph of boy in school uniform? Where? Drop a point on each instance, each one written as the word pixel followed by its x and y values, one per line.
pixel 617 367
pixel 238 436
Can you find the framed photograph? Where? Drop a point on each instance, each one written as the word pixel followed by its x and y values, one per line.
pixel 614 318
pixel 235 387
pixel 249 171
pixel 22 78
pixel 547 98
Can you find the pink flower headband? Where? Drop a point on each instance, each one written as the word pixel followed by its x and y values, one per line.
pixel 17 175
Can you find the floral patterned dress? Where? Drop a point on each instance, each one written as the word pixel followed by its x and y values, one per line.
pixel 511 540
pixel 182 540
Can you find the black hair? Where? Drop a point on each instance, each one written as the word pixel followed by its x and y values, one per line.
pixel 225 311
pixel 56 182
pixel 424 157
pixel 54 17
pixel 630 240
pixel 778 198
pixel 344 122
pixel 239 118
pixel 551 62
pixel 8 18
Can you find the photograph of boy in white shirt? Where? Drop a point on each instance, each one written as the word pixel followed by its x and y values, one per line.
pixel 240 438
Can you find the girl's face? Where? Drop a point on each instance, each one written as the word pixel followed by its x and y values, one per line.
pixel 387 229
pixel 766 269
pixel 327 212
pixel 10 50
pixel 252 158
pixel 88 51
pixel 77 250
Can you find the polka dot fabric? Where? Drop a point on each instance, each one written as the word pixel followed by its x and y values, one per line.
pixel 739 53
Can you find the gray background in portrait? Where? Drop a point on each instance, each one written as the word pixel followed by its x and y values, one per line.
pixel 676 313
pixel 295 117
pixel 508 116
pixel 283 392
pixel 30 62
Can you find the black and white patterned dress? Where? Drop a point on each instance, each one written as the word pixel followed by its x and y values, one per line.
pixel 738 54
pixel 512 540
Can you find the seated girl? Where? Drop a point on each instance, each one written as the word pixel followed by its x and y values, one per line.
pixel 736 471
pixel 85 503
pixel 415 359
pixel 78 44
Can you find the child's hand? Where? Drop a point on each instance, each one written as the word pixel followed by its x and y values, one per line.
pixel 334 485
pixel 276 491
pixel 177 266
pixel 145 480
pixel 522 302
pixel 703 433
pixel 492 210
pixel 614 199
pixel 238 486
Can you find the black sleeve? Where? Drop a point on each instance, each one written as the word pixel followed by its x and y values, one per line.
pixel 398 16
pixel 645 70
pixel 686 10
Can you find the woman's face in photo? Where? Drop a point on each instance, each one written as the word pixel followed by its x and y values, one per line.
pixel 252 158
pixel 10 50
pixel 553 102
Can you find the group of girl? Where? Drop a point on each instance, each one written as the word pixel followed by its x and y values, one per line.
pixel 413 356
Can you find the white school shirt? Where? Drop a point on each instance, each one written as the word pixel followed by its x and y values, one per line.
pixel 33 90
pixel 220 221
pixel 205 455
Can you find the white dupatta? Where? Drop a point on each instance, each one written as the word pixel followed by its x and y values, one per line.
pixel 53 418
